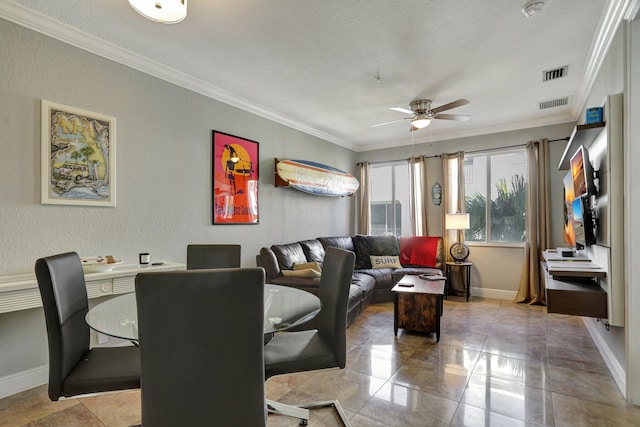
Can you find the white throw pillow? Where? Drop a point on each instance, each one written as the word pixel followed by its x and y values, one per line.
pixel 308 272
pixel 385 261
pixel 308 265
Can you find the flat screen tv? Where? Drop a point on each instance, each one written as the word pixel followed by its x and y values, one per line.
pixel 583 226
pixel 569 235
pixel 582 174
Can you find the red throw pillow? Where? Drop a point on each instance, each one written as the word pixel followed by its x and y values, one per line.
pixel 419 250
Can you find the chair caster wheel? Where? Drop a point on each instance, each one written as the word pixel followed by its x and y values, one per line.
pixel 303 422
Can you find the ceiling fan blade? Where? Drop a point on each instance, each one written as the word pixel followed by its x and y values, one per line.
pixel 402 110
pixel 392 121
pixel 454 104
pixel 456 117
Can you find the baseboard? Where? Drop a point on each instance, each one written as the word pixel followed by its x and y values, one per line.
pixel 493 293
pixel 617 370
pixel 21 381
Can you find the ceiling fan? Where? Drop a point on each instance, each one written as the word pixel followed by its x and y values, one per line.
pixel 422 113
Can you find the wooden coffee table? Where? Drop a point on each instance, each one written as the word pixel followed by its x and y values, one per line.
pixel 419 307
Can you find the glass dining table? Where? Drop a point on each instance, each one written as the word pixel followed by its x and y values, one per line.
pixel 284 307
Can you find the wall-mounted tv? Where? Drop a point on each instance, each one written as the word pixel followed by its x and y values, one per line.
pixel 583 225
pixel 582 174
pixel 569 234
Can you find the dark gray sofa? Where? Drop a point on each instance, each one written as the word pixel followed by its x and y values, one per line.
pixel 368 285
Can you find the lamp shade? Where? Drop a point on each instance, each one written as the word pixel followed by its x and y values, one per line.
pixel 165 11
pixel 421 120
pixel 457 221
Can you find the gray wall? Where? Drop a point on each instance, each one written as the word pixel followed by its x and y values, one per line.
pixel 486 279
pixel 163 173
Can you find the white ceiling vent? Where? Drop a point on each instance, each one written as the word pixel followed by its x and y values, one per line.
pixel 556 73
pixel 558 102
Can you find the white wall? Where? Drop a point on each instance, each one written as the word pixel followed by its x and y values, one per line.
pixel 496 269
pixel 632 207
pixel 610 80
pixel 163 174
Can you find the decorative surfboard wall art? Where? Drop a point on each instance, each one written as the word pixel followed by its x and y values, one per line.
pixel 314 178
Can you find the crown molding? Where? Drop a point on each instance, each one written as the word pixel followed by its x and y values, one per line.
pixel 615 12
pixel 43 24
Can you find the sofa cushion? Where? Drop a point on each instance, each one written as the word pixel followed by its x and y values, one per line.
pixel 365 246
pixel 342 242
pixel 419 251
pixel 363 281
pixel 288 255
pixel 313 250
pixel 382 276
pixel 269 262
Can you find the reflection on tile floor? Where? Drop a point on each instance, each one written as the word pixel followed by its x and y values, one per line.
pixel 497 364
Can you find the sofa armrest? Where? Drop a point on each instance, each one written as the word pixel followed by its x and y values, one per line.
pixel 268 261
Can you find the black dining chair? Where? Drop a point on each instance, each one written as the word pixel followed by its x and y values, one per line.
pixel 200 335
pixel 74 368
pixel 322 348
pixel 213 256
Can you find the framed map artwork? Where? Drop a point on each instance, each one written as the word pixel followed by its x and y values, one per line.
pixel 235 179
pixel 78 156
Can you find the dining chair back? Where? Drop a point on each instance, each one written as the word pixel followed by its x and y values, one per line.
pixel 74 368
pixel 213 256
pixel 201 344
pixel 325 347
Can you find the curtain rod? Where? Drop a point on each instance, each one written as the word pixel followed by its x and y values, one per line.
pixel 496 148
pixel 513 146
pixel 399 160
pixel 471 152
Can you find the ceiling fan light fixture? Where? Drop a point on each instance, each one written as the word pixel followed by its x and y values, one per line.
pixel 420 122
pixel 164 11
pixel 532 7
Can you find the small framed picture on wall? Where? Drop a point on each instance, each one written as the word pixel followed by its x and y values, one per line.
pixel 235 179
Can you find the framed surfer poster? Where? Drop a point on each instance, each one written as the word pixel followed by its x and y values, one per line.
pixel 235 179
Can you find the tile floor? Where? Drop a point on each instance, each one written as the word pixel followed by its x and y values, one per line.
pixel 497 364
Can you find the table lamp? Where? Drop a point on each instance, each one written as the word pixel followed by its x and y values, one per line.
pixel 457 221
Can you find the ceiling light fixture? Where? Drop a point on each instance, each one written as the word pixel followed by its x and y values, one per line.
pixel 532 7
pixel 421 121
pixel 165 11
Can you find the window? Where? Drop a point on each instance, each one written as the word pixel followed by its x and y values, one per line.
pixel 500 178
pixel 390 203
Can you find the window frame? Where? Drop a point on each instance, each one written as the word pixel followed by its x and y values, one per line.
pixel 394 199
pixel 488 154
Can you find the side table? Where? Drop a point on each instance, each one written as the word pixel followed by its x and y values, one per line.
pixel 418 306
pixel 467 266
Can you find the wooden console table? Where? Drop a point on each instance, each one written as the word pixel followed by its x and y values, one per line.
pixel 418 307
pixel 571 286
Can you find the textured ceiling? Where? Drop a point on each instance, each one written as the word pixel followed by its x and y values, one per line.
pixel 313 64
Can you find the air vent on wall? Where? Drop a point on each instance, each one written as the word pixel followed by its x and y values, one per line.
pixel 556 73
pixel 558 102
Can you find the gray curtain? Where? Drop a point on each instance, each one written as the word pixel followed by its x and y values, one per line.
pixel 364 199
pixel 419 195
pixel 537 223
